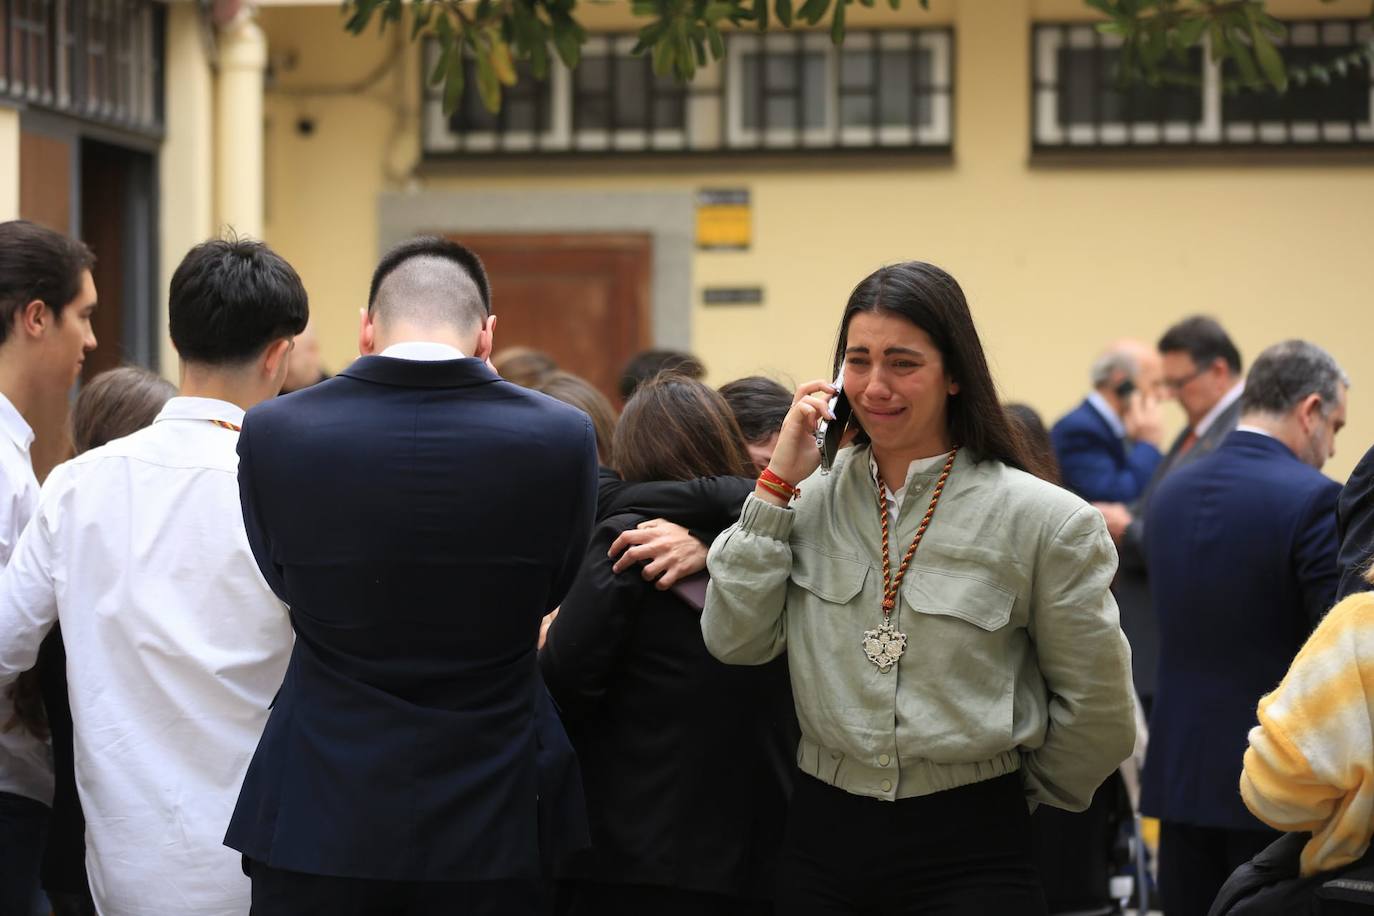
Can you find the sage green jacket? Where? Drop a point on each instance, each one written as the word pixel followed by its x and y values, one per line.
pixel 1015 656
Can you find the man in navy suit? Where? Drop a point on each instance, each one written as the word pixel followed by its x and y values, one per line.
pixel 1202 370
pixel 1108 446
pixel 420 516
pixel 1242 553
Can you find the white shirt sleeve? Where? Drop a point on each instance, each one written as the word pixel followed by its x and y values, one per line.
pixel 28 599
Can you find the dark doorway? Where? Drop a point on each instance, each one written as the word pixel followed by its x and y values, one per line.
pixel 118 221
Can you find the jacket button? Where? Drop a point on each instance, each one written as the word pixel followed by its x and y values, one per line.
pixel 885 785
pixel 884 760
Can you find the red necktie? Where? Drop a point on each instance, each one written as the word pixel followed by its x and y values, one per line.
pixel 1188 442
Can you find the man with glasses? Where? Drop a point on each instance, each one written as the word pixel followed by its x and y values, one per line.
pixel 1202 370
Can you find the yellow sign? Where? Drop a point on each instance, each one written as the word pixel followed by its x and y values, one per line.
pixel 723 219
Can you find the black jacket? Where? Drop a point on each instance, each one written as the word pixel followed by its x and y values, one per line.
pixel 1355 527
pixel 420 518
pixel 686 762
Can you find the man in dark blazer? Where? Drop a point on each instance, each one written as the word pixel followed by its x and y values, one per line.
pixel 1242 553
pixel 1202 370
pixel 419 516
pixel 1355 525
pixel 1108 446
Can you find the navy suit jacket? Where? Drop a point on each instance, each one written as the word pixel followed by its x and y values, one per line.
pixel 1242 553
pixel 419 518
pixel 1355 521
pixel 1096 463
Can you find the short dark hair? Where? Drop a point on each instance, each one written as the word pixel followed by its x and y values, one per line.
pixel 1286 373
pixel 434 247
pixel 676 428
pixel 932 300
pixel 116 403
pixel 759 405
pixel 1203 339
pixel 230 298
pixel 38 263
pixel 652 363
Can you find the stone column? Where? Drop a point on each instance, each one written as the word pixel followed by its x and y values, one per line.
pixel 239 126
pixel 9 163
pixel 186 170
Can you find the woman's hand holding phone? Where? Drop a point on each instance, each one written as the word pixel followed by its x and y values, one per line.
pixel 796 456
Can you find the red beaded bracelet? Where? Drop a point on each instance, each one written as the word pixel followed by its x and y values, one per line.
pixel 776 484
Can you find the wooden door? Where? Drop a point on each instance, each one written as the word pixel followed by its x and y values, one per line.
pixel 583 299
pixel 45 197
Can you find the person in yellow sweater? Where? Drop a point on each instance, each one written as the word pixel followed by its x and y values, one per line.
pixel 1310 764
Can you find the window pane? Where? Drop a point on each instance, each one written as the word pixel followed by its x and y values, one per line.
pixel 781 105
pixel 895 87
pixel 856 69
pixel 1088 92
pixel 526 105
pixel 1346 99
pixel 856 110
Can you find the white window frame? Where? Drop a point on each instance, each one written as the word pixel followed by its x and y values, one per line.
pixel 938 131
pixel 632 139
pixel 1210 130
pixel 736 133
pixel 438 138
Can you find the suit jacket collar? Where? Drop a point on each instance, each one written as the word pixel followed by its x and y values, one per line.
pixel 410 373
pixel 1244 440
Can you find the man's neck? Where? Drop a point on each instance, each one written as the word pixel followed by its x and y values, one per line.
pixel 21 384
pixel 237 386
pixel 410 333
pixel 1281 428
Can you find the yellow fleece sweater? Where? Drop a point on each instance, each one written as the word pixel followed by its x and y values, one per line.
pixel 1310 765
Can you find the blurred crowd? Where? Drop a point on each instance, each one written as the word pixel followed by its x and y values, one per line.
pixel 419 638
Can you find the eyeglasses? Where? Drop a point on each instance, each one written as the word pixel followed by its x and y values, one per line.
pixel 1176 384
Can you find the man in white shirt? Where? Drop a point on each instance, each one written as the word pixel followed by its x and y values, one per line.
pixel 47 297
pixel 175 644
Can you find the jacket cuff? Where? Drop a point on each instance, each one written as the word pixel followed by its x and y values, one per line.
pixel 765 519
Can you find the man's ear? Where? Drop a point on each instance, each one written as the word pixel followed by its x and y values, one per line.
pixel 367 333
pixel 33 318
pixel 486 338
pixel 274 358
pixel 1310 412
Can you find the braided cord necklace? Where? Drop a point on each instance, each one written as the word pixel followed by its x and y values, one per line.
pixel 885 645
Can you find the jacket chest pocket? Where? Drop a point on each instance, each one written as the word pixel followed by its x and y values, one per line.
pixel 834 580
pixel 986 606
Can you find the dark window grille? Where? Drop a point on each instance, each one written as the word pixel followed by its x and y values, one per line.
pixel 1311 112
pixel 890 89
pixel 1078 101
pixel 100 60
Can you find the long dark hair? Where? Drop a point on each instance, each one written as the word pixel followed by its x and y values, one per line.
pixel 676 428
pixel 931 299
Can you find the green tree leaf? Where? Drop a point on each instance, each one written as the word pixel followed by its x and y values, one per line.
pixel 784 11
pixel 1270 60
pixel 488 84
pixel 453 80
pixel 837 22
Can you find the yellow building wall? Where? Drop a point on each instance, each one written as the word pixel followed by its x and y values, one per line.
pixel 1055 259
pixel 9 163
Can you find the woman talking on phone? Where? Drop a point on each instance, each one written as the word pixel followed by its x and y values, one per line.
pixel 954 650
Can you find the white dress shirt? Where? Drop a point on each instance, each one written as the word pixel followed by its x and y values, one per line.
pixel 25 761
pixel 422 350
pixel 1104 410
pixel 175 649
pixel 1219 408
pixel 894 499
